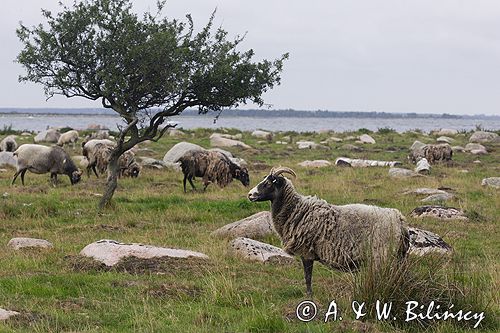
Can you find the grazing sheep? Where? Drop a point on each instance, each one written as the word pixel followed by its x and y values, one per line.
pixel 341 237
pixel 67 138
pixel 42 159
pixel 8 144
pixel 213 166
pixel 431 152
pixel 89 151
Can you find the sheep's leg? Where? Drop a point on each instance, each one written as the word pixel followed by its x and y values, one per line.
pixel 191 182
pixel 95 171
pixel 308 268
pixel 22 176
pixel 18 172
pixel 184 183
pixel 53 177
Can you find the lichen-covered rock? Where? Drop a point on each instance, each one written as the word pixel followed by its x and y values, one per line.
pixel 438 212
pixel 482 136
pixel 6 314
pixel 417 145
pixel 438 197
pixel 257 251
pixel 458 149
pixel 7 159
pixel 219 141
pixel 423 166
pixel 445 139
pixel 351 147
pixel 365 138
pixel 447 131
pixel 402 173
pixel 51 135
pixel 18 243
pixel 262 135
pixel 474 146
pixel 315 164
pixel 110 252
pixel 256 226
pixel 423 242
pixel 491 181
pixel 360 163
pixel 425 191
pixel 177 151
pixel 478 152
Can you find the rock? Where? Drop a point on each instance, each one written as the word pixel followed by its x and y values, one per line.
pixel 423 166
pixel 25 134
pixel 175 133
pixel 6 314
pixel 262 135
pixel 110 252
pixel 315 164
pixel 365 138
pixel 349 138
pixel 401 173
pixel 458 149
pixel 425 191
pixel 360 163
pixel 226 136
pixel 351 147
pixel 256 226
pixel 225 152
pixel 177 151
pixel 447 131
pixel 417 145
pixel 423 242
pixel 286 139
pixel 94 127
pixel 474 146
pixel 438 212
pixel 334 139
pixel 257 251
pixel 152 163
pixel 482 136
pixel 7 159
pixel 25 242
pixel 477 162
pixel 491 181
pixel 438 197
pixel 478 152
pixel 281 142
pixel 219 141
pixel 445 139
pixel 3 170
pixel 51 135
pixel 306 144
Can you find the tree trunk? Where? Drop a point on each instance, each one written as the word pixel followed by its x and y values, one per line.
pixel 112 180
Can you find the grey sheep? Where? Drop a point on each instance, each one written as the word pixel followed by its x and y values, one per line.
pixel 42 159
pixel 99 157
pixel 431 152
pixel 89 152
pixel 8 144
pixel 67 138
pixel 340 237
pixel 213 166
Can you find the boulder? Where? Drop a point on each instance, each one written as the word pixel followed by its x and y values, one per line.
pixel 458 149
pixel 482 136
pixel 286 139
pixel 227 136
pixel 25 134
pixel 6 314
pixel 219 141
pixel 401 173
pixel 360 163
pixel 315 164
pixel 257 251
pixel 7 159
pixel 151 163
pixel 491 181
pixel 417 145
pixel 177 151
pixel 438 197
pixel 175 133
pixel 474 146
pixel 306 144
pixel 365 138
pixel 262 135
pixel 445 139
pixel 425 191
pixel 51 135
pixel 478 152
pixel 447 131
pixel 110 252
pixel 334 139
pixel 25 242
pixel 423 166
pixel 351 147
pixel 438 212
pixel 423 242
pixel 256 226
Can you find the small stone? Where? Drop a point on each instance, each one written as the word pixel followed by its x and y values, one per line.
pixel 315 164
pixel 425 191
pixel 351 147
pixel 360 163
pixel 447 131
pixel 256 226
pixel 25 242
pixel 478 152
pixel 438 212
pixel 491 181
pixel 423 166
pixel 401 173
pixel 6 314
pixel 438 197
pixel 445 139
pixel 458 149
pixel 219 141
pixel 257 251
pixel 262 135
pixel 423 242
pixel 365 138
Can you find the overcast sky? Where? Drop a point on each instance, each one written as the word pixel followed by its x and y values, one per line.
pixel 421 56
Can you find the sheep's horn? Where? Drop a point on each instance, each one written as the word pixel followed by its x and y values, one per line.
pixel 279 170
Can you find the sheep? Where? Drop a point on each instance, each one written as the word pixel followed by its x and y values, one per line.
pixel 42 159
pixel 340 237
pixel 431 152
pixel 213 166
pixel 99 157
pixel 89 151
pixel 8 143
pixel 67 138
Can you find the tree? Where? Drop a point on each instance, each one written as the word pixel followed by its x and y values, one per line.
pixel 144 68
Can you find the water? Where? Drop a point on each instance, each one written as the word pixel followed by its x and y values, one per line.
pixel 310 124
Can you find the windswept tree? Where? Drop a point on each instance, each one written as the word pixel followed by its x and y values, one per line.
pixel 145 68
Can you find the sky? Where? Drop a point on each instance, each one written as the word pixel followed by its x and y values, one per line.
pixel 422 56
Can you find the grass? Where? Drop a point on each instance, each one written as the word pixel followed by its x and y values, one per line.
pixel 56 290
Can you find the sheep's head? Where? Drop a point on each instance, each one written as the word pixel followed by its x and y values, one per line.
pixel 134 170
pixel 76 176
pixel 242 175
pixel 270 187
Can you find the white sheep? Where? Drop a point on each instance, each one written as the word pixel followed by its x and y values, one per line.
pixel 89 152
pixel 8 143
pixel 341 237
pixel 42 159
pixel 67 138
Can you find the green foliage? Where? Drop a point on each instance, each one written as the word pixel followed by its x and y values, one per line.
pixel 386 130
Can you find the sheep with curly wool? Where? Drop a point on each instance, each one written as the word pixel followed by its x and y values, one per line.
pixel 99 157
pixel 89 151
pixel 431 152
pixel 42 159
pixel 8 143
pixel 213 166
pixel 340 237
pixel 67 138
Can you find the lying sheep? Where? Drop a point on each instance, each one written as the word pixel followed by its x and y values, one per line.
pixel 67 138
pixel 341 237
pixel 213 166
pixel 42 159
pixel 8 144
pixel 431 152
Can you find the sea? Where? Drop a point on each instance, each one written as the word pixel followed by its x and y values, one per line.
pixel 38 122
